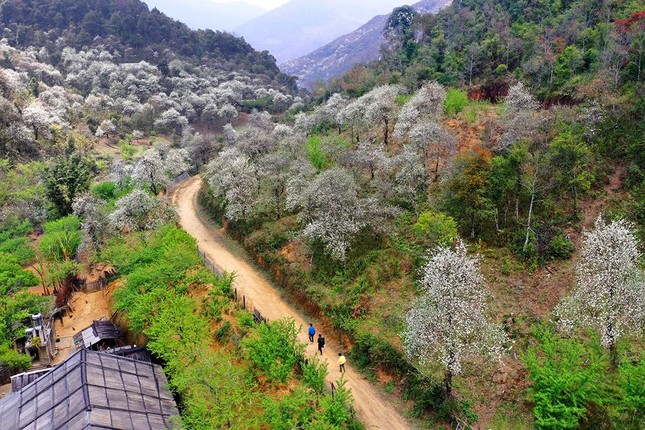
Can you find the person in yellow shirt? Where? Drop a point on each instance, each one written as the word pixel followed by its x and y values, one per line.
pixel 341 362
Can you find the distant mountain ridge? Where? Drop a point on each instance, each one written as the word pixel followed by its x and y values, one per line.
pixel 360 46
pixel 300 26
pixel 206 14
pixel 129 28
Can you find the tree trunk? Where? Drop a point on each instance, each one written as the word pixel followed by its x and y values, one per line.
pixel 472 227
pixel 385 132
pixel 447 382
pixel 528 221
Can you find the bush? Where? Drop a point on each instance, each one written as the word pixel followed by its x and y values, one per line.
pixel 314 373
pixel 274 349
pixel 456 101
pixel 61 239
pixel 561 247
pixel 567 378
pixel 20 248
pixel 436 228
pixel 13 360
pixel 105 190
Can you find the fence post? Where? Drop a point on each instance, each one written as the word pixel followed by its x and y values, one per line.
pixel 243 302
pixel 333 389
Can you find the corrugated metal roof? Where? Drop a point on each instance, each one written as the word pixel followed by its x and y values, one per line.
pixel 92 390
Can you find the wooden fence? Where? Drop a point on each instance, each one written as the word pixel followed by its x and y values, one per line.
pixel 240 299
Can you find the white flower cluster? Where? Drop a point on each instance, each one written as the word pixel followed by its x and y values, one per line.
pixel 448 324
pixel 610 294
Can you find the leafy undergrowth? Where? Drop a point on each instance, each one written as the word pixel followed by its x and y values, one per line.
pixel 226 371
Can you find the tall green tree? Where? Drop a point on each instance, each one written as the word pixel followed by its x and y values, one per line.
pixel 68 176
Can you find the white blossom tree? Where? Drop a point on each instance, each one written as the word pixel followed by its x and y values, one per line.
pixel 230 135
pixel 382 107
pixel 353 115
pixel 521 117
pixel 94 222
pixel 227 112
pixel 140 211
pixel 326 114
pixel 333 213
pixel 434 142
pixel 448 324
pixel 155 169
pixel 610 294
pixel 233 177
pixel 106 128
pixel 171 121
pixel 425 106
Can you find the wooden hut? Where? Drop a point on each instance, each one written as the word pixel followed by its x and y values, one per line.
pixel 100 335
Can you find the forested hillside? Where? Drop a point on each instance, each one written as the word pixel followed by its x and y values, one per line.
pixel 129 29
pixel 96 123
pixel 478 192
pixel 465 215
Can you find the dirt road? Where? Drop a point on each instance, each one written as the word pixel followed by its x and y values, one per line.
pixel 372 409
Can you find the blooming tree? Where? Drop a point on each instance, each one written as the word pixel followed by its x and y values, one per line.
pixel 381 107
pixel 520 118
pixel 233 177
pixel 425 106
pixel 333 213
pixel 106 128
pixel 140 211
pixel 448 324
pixel 94 223
pixel 155 169
pixel 434 141
pixel 610 297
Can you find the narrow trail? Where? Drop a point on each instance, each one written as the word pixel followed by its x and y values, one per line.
pixel 373 411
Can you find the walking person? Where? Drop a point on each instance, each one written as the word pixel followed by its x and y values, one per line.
pixel 312 332
pixel 341 362
pixel 321 343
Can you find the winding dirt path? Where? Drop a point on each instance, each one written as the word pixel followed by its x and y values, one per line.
pixel 373 411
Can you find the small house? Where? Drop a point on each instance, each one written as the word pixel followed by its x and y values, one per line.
pixel 102 334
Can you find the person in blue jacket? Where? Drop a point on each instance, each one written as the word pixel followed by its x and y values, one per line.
pixel 312 332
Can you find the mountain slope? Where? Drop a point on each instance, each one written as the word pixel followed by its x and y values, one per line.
pixel 128 28
pixel 360 46
pixel 206 14
pixel 300 26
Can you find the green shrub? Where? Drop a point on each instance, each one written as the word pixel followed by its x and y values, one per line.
pixel 14 360
pixel 632 393
pixel 20 248
pixel 274 349
pixel 456 101
pixel 314 373
pixel 567 377
pixel 294 410
pixel 61 239
pixel 317 156
pixel 105 190
pixel 436 228
pixel 561 247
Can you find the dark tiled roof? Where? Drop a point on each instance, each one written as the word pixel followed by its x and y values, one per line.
pixel 20 380
pixel 92 390
pixel 98 331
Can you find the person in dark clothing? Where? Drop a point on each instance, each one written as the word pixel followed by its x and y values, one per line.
pixel 321 343
pixel 312 332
